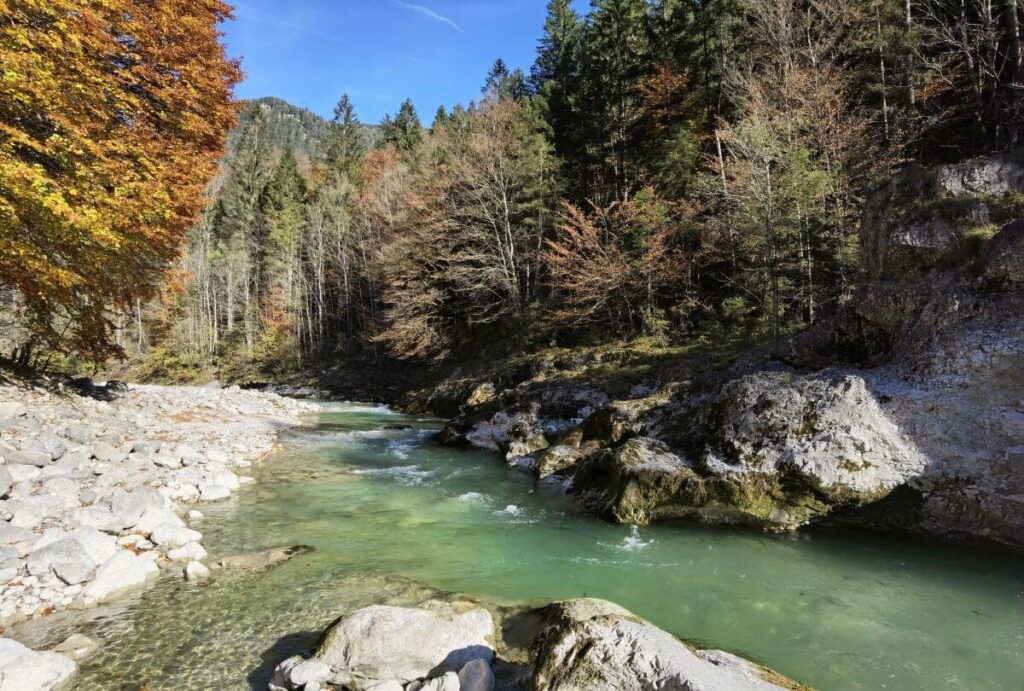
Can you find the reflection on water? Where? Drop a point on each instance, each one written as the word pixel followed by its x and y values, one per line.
pixel 387 511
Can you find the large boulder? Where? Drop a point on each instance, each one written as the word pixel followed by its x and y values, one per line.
pixel 591 644
pixel 773 450
pixel 66 558
pixel 22 669
pixel 123 572
pixel 380 644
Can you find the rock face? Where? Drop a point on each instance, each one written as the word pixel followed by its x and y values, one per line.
pixel 924 215
pixel 591 644
pixel 576 645
pixel 904 410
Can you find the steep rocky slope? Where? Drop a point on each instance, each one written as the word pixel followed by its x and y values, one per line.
pixel 903 411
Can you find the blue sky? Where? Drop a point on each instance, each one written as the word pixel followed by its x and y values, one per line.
pixel 309 52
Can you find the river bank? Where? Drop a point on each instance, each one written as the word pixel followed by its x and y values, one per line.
pixel 102 490
pixel 395 520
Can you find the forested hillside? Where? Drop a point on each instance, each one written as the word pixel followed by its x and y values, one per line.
pixel 666 168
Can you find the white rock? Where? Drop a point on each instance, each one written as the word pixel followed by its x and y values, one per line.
pixel 195 571
pixel 386 686
pixel 193 551
pixel 308 671
pixel 213 493
pixel 407 644
pixel 77 647
pixel 166 461
pixel 6 481
pixel 12 409
pixel 172 536
pixel 152 518
pixel 22 669
pixel 447 682
pixel 124 571
pixel 67 558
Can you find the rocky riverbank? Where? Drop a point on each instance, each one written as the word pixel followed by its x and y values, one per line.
pixel 457 645
pixel 101 491
pixel 904 411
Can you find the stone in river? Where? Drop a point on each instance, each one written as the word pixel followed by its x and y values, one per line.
pixel 22 669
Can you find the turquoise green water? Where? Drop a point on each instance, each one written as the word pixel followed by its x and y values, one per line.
pixel 834 611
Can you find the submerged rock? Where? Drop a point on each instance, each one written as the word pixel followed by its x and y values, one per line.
pixel 261 560
pixel 77 646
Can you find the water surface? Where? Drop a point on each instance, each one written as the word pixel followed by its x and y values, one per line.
pixel 387 511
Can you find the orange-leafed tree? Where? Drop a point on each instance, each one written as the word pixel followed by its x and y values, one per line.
pixel 113 116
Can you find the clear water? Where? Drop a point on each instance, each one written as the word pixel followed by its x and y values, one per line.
pixel 386 512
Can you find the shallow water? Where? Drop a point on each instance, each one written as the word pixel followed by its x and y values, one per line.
pixel 384 509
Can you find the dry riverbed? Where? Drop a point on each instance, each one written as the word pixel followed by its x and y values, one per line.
pixel 97 497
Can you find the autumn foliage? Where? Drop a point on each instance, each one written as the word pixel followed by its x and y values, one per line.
pixel 113 116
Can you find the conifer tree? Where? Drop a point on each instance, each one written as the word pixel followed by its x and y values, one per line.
pixel 344 144
pixel 555 77
pixel 404 131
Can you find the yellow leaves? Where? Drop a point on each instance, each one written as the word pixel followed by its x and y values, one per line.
pixel 99 202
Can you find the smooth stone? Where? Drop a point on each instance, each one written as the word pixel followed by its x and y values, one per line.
pixel 164 460
pixel 22 669
pixel 29 456
pixel 476 676
pixel 595 646
pixel 106 452
pixel 154 517
pixel 124 571
pixel 386 686
pixel 77 646
pixel 174 536
pixel 213 493
pixel 407 644
pixel 130 506
pixel 67 558
pixel 195 571
pixel 193 551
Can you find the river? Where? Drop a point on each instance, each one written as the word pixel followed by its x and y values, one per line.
pixel 387 511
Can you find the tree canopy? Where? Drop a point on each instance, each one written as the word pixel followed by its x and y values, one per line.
pixel 112 120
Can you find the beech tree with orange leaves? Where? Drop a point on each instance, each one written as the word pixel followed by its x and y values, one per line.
pixel 113 115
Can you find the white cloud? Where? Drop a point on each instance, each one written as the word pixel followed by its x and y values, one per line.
pixel 427 12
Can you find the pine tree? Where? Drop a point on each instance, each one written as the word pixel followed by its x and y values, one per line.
pixel 404 131
pixel 344 144
pixel 497 77
pixel 239 200
pixel 555 77
pixel 441 118
pixel 618 59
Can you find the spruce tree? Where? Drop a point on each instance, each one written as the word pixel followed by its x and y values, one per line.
pixel 555 77
pixel 344 144
pixel 404 131
pixel 617 60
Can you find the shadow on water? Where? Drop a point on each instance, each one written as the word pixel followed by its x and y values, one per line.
pixel 301 643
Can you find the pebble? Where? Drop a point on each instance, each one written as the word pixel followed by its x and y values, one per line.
pixel 112 480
